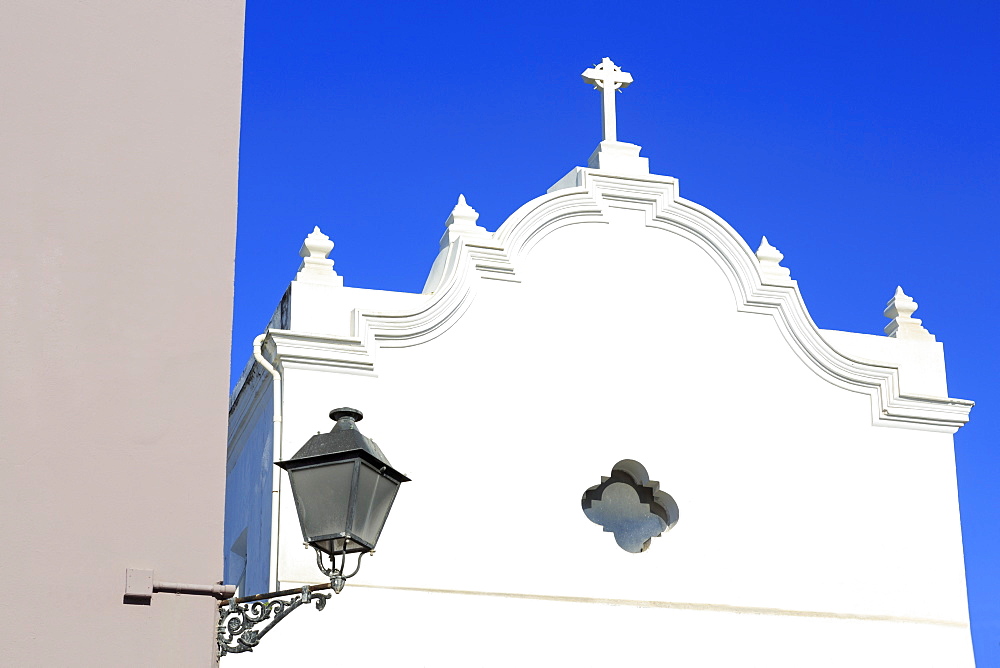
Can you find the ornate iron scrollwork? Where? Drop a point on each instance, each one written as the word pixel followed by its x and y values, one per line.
pixel 236 620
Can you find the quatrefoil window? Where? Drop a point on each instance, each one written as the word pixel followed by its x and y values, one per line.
pixel 631 506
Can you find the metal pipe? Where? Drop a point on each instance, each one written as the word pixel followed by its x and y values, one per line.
pixel 278 433
pixel 220 591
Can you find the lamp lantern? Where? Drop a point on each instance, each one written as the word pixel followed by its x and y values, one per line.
pixel 343 487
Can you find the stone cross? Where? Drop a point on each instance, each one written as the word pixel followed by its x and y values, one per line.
pixel 609 78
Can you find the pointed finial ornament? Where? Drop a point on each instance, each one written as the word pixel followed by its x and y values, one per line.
pixel 462 214
pixel 461 221
pixel 903 325
pixel 611 154
pixel 316 267
pixel 769 261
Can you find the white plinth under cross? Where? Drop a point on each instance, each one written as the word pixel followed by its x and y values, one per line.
pixel 609 78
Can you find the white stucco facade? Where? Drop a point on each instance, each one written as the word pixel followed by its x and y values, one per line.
pixel 611 319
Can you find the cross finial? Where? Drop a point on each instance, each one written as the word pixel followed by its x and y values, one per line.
pixel 609 78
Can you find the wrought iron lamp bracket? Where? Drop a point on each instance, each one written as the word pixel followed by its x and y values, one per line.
pixel 236 620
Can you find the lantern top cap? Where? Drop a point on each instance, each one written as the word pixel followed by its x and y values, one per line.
pixel 343 441
pixel 352 413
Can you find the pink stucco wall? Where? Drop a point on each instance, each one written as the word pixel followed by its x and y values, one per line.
pixel 119 134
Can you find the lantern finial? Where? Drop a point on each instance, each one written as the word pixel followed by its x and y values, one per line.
pixel 352 413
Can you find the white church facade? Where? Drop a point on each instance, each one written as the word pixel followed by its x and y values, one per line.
pixel 628 441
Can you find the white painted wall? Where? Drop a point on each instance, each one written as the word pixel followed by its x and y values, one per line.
pixel 249 479
pixel 818 503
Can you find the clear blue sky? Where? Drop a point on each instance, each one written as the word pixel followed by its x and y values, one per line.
pixel 860 137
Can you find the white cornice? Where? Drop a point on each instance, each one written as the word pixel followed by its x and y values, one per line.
pixel 583 197
pixel 346 354
pixel 249 392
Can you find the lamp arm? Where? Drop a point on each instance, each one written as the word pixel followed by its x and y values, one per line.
pixel 274 594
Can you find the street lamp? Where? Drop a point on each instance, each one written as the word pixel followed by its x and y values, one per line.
pixel 343 488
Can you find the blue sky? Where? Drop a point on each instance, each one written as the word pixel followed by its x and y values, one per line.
pixel 860 137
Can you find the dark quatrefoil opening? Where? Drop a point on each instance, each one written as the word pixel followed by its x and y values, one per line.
pixel 631 506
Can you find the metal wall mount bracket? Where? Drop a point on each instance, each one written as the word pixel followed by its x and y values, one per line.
pixel 140 585
pixel 236 620
pixel 239 616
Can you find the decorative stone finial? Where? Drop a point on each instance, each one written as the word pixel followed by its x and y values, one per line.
pixel 611 154
pixel 769 260
pixel 461 221
pixel 903 326
pixel 315 267
pixel 462 215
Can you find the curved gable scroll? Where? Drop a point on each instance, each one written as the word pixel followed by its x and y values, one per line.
pixel 583 197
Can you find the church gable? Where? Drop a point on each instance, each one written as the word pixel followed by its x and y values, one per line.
pixel 613 399
pixel 629 237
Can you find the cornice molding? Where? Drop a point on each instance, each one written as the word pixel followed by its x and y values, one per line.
pixel 582 197
pixel 245 401
pixel 345 354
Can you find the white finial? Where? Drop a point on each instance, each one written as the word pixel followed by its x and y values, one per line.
pixel 462 214
pixel 609 78
pixel 903 326
pixel 769 260
pixel 315 267
pixel 316 244
pixel 461 221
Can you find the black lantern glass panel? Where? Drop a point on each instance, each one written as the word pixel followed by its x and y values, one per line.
pixel 343 487
pixel 321 497
pixel 376 493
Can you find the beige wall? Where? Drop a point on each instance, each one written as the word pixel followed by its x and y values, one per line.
pixel 119 133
